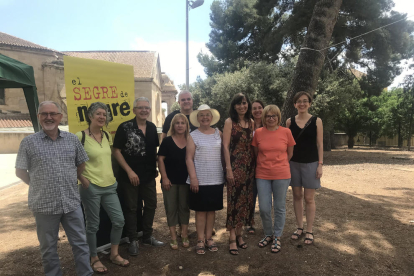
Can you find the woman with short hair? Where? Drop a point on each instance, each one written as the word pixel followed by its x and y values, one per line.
pixel 273 146
pixel 205 174
pixel 173 169
pixel 98 185
pixel 306 163
pixel 239 158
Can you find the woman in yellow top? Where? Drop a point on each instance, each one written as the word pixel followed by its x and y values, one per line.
pixel 98 185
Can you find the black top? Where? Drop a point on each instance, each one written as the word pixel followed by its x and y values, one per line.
pixel 139 150
pixel 305 150
pixel 167 122
pixel 174 161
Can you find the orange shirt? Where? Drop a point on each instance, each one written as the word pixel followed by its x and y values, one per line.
pixel 272 159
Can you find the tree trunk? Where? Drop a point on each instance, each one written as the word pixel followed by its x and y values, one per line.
pixel 326 140
pixel 400 140
pixel 332 134
pixel 351 142
pixel 310 62
pixel 410 126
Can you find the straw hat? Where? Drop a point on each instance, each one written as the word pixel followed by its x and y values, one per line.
pixel 214 112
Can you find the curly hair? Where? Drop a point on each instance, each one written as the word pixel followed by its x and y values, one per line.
pixel 92 109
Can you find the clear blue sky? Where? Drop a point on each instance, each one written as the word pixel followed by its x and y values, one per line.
pixel 112 25
pixel 157 25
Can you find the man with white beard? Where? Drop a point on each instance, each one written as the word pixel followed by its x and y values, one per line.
pixel 50 161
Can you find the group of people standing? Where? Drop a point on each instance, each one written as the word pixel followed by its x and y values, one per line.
pixel 254 157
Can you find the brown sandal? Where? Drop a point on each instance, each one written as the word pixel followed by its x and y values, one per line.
pixel 120 263
pixel 95 268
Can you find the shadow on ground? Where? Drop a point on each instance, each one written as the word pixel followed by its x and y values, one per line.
pixel 353 236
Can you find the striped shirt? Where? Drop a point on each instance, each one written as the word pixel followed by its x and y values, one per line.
pixel 52 167
pixel 207 158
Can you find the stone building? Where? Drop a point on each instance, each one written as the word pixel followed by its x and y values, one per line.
pixel 49 76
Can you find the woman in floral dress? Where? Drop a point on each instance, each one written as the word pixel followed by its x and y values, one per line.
pixel 238 154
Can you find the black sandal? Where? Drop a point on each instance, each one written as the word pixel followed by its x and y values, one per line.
pixel 276 246
pixel 243 245
pixel 296 234
pixel 264 242
pixel 251 230
pixel 201 250
pixel 213 247
pixel 233 251
pixel 309 239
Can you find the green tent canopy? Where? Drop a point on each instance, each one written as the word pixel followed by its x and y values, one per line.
pixel 15 74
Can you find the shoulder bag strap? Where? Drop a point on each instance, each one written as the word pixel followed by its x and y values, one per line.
pixel 306 125
pixel 83 138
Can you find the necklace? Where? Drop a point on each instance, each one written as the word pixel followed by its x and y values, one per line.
pixel 91 134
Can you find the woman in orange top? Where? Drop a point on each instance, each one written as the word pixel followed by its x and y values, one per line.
pixel 273 146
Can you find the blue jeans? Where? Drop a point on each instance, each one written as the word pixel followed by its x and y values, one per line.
pixel 265 190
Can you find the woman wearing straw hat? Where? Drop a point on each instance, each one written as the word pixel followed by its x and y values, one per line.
pixel 205 174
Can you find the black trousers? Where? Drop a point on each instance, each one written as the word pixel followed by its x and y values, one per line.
pixel 133 198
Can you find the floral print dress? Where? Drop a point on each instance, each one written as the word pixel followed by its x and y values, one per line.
pixel 240 195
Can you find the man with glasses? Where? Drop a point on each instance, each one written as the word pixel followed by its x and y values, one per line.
pixel 50 161
pixel 185 100
pixel 135 149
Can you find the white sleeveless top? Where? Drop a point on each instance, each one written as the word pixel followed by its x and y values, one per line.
pixel 207 158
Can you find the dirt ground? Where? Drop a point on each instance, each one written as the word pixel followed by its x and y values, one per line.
pixel 364 226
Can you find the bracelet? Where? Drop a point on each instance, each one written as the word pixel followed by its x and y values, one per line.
pixel 320 163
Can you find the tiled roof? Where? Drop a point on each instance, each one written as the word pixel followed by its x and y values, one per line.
pixel 15 120
pixel 9 40
pixel 143 61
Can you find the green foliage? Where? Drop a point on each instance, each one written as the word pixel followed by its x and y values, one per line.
pixel 267 82
pixel 246 31
pixel 175 106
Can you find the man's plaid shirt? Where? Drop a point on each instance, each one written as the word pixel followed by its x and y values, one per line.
pixel 52 167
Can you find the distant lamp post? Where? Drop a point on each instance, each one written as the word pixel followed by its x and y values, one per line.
pixel 190 5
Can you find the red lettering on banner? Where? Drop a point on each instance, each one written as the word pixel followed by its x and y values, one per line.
pixel 97 92
pixel 114 94
pixel 104 91
pixel 77 95
pixel 87 91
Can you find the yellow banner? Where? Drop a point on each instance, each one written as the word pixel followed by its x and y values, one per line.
pixel 88 81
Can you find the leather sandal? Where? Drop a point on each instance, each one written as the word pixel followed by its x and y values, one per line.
pixel 251 230
pixel 243 245
pixel 296 234
pixel 185 241
pixel 265 241
pixel 212 247
pixel 174 244
pixel 95 268
pixel 123 263
pixel 201 250
pixel 276 246
pixel 309 239
pixel 233 251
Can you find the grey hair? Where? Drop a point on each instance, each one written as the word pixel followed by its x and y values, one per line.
pixel 182 92
pixel 46 103
pixel 141 99
pixel 92 109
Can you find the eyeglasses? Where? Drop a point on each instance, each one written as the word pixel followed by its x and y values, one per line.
pixel 304 102
pixel 271 117
pixel 46 114
pixel 143 107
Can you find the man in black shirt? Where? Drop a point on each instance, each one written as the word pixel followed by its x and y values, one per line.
pixel 135 149
pixel 185 100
